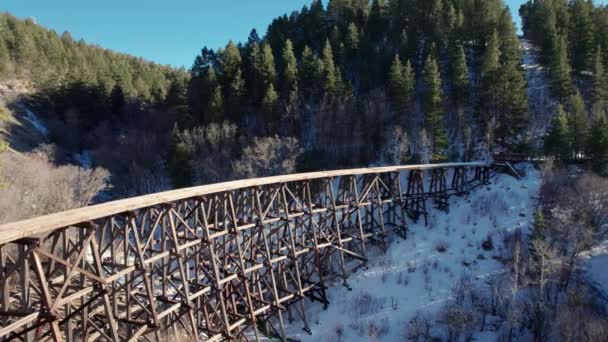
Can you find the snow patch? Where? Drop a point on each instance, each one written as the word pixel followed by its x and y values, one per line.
pixel 414 275
pixel 35 121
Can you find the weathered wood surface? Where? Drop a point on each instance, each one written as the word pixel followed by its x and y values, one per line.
pixel 219 262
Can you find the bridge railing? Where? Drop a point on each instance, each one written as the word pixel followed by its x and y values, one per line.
pixel 218 261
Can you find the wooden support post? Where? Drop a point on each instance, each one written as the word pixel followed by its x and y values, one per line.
pixel 439 189
pixel 459 181
pixel 415 196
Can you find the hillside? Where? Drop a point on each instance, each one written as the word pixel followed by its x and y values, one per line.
pixel 50 60
pixel 346 84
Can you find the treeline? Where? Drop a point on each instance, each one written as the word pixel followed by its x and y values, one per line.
pixel 30 51
pixel 358 82
pixel 573 40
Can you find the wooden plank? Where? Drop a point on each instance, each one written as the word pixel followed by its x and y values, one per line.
pixel 18 323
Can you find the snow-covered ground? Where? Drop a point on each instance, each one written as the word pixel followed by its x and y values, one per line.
pixel 36 122
pixel 594 262
pixel 414 275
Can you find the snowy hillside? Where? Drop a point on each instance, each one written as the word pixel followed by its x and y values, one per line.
pixel 418 275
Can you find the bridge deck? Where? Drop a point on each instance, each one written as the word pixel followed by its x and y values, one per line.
pixel 44 224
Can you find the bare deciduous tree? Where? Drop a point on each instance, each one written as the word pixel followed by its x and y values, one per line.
pixel 268 156
pixel 212 150
pixel 33 186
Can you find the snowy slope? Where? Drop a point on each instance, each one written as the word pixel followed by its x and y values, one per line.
pixel 23 129
pixel 540 102
pixel 593 263
pixel 413 276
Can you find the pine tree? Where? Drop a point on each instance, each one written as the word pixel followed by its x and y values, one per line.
pixel 231 80
pixel 460 76
pixel 537 234
pixel 267 69
pixel 433 107
pixel 489 91
pixel 203 62
pixel 330 74
pixel 352 38
pixel 410 83
pixel 178 162
pixel 290 70
pixel 597 145
pixel 176 101
pixel 254 38
pixel 396 82
pixel 557 143
pixel 229 61
pixel 538 229
pixel 215 109
pixel 401 85
pixel 310 71
pixel 375 23
pixel 510 46
pixel 561 82
pixel 200 92
pixel 577 124
pixel 450 23
pixel 581 35
pixel 512 104
pixel 269 103
pixel 599 79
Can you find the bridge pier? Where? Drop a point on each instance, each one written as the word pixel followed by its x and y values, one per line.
pixel 459 181
pixel 415 197
pixel 439 189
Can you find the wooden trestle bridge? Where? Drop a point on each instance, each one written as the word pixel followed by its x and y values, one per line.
pixel 225 261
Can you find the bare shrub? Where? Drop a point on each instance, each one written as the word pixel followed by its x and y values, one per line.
pixel 487 244
pixel 138 180
pixel 359 310
pixel 376 330
pixel 593 195
pixel 211 149
pixel 33 186
pixel 579 320
pixel 268 156
pixel 442 246
pixel 419 328
pixel 365 303
pixel 458 315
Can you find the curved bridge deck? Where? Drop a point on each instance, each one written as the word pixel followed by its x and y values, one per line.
pixel 221 261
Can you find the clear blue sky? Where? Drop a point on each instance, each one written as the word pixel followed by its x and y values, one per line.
pixel 164 31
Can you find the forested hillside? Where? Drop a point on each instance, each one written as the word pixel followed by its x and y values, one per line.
pixel 106 114
pixel 52 60
pixel 340 84
pixel 358 82
pixel 572 37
